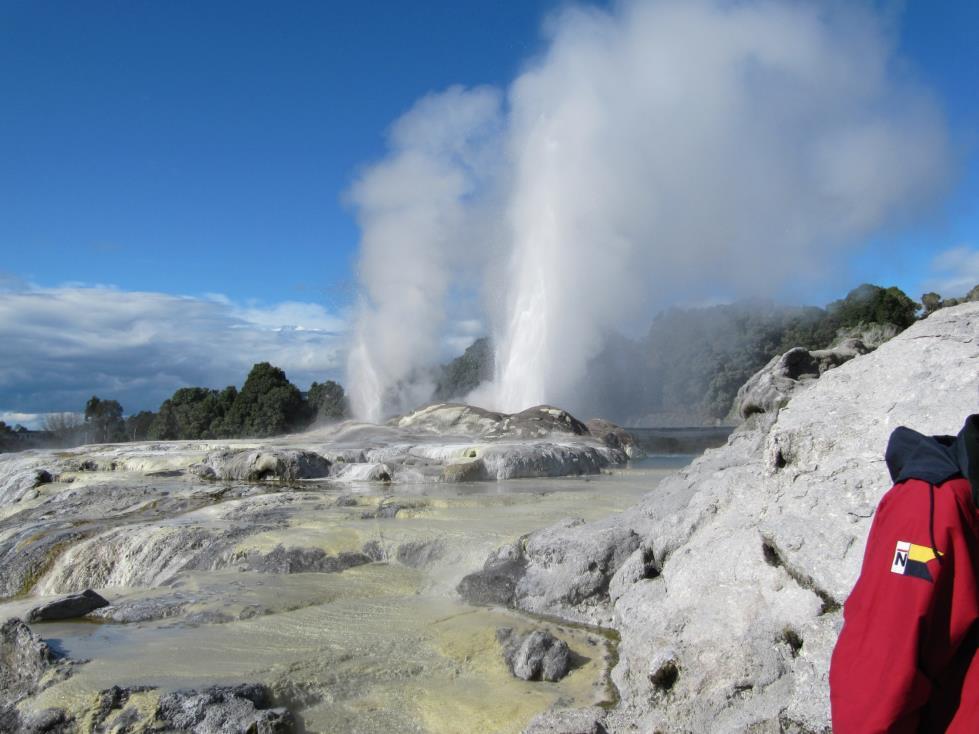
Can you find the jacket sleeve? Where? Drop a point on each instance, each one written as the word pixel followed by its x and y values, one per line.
pixel 897 621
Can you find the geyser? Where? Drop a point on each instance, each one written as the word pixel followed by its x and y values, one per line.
pixel 659 148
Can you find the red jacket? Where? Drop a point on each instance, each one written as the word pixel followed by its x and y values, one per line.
pixel 906 657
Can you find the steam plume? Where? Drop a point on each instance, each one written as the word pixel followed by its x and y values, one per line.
pixel 414 222
pixel 660 148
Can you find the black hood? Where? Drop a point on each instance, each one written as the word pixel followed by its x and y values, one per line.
pixel 935 459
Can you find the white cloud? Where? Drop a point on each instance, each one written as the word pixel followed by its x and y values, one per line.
pixel 34 421
pixel 955 272
pixel 292 314
pixel 62 345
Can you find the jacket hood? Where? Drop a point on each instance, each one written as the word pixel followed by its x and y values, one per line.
pixel 935 459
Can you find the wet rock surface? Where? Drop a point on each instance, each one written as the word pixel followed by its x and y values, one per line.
pixel 421 553
pixel 537 655
pixel 302 560
pixel 217 710
pixel 224 710
pixel 496 583
pixel 25 661
pixel 142 610
pixel 28 665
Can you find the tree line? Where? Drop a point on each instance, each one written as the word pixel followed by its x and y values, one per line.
pixel 266 405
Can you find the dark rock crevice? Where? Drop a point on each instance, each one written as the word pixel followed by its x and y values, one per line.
pixel 774 557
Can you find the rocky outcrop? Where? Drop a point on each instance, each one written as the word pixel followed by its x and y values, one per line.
pixel 28 665
pixel 67 607
pixel 729 604
pixel 215 710
pixel 299 560
pixel 142 610
pixel 421 553
pixel 257 464
pixel 455 418
pixel 615 437
pixel 538 655
pixel 771 387
pixel 224 710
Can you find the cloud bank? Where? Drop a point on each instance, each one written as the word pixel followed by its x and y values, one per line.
pixel 61 345
pixel 658 151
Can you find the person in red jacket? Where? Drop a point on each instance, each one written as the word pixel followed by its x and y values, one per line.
pixel 906 657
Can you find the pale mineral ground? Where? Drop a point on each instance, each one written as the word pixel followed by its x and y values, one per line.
pixel 323 565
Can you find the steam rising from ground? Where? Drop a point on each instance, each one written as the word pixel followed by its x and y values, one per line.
pixel 665 147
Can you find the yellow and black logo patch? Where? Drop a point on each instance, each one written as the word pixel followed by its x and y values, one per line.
pixel 912 560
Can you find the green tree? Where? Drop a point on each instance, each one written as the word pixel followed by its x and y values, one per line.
pixel 104 418
pixel 931 302
pixel 268 404
pixel 138 425
pixel 326 401
pixel 193 413
pixel 8 437
pixel 871 304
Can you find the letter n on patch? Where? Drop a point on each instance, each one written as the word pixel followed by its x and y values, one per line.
pixel 912 560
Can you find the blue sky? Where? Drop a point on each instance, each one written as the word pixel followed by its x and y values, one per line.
pixel 205 147
pixel 201 152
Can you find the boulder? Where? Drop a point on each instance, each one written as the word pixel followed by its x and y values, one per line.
pixel 67 607
pixel 538 655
